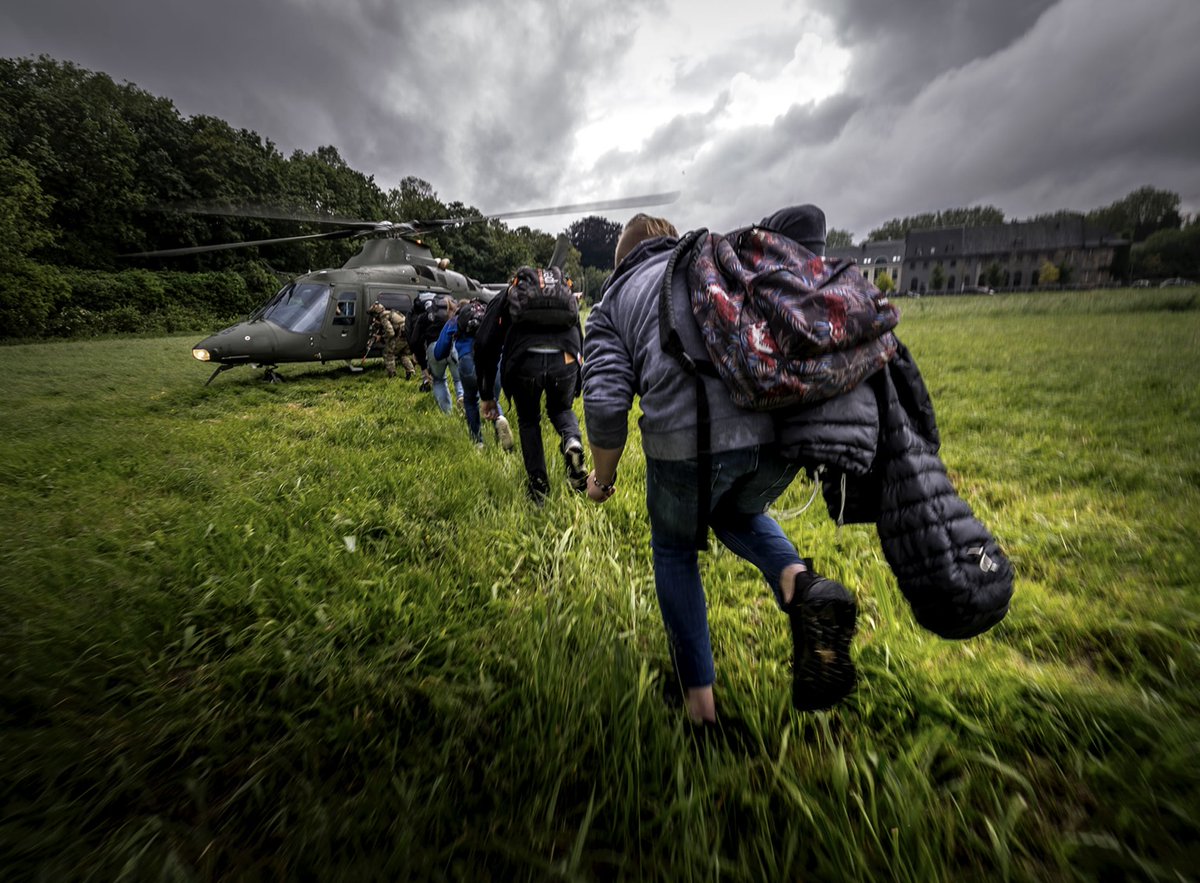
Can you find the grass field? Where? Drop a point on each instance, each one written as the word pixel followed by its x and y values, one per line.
pixel 306 631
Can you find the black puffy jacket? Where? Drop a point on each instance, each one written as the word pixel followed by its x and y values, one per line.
pixel 878 446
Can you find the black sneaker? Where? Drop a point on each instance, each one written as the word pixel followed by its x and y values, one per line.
pixel 577 474
pixel 822 615
pixel 537 491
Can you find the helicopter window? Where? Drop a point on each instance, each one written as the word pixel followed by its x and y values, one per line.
pixel 395 300
pixel 300 310
pixel 344 311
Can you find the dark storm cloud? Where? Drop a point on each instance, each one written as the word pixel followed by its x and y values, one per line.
pixel 481 100
pixel 1030 105
pixel 1094 100
pixel 899 48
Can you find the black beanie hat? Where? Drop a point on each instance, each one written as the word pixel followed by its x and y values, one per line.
pixel 803 223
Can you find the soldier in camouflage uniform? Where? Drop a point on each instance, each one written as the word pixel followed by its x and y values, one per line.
pixel 388 326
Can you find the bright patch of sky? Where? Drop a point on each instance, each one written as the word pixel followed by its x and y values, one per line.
pixel 645 89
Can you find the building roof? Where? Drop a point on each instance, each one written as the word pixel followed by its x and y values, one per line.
pixel 1066 231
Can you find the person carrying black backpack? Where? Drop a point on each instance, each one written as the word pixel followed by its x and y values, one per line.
pixel 459 334
pixel 429 315
pixel 532 332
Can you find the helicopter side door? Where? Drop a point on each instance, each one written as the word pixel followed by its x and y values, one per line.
pixel 344 334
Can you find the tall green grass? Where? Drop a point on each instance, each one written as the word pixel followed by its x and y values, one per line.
pixel 306 631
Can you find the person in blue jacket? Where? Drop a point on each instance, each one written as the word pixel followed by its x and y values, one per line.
pixel 463 342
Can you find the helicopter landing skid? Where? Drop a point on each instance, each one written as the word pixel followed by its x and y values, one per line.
pixel 213 376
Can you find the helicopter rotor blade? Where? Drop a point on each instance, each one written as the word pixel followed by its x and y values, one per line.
pixel 601 205
pixel 359 227
pixel 648 199
pixel 266 212
pixel 225 246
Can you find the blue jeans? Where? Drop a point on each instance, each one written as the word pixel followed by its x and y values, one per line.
pixel 744 484
pixel 437 370
pixel 470 393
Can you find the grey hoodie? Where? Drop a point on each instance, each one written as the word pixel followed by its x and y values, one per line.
pixel 623 358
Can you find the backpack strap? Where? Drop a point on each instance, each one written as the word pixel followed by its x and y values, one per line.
pixel 672 344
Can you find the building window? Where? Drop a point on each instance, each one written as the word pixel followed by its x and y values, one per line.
pixel 1017 279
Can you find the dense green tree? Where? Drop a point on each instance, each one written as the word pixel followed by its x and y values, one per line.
pixel 414 200
pixel 835 238
pixel 1168 253
pixel 937 279
pixel 596 238
pixel 68 125
pixel 974 216
pixel 1140 214
pixel 24 212
pixel 593 283
pixel 994 274
pixel 29 292
pixel 1048 273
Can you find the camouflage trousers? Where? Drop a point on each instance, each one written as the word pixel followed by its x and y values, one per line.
pixel 398 346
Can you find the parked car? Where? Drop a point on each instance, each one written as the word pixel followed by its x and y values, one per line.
pixel 1171 283
pixel 978 289
pixel 1140 283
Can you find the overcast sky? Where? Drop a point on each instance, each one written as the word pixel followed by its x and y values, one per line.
pixel 873 109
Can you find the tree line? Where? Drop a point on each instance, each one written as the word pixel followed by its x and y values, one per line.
pixel 91 170
pixel 1165 243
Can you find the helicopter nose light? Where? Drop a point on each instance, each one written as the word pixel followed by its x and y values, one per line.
pixel 200 354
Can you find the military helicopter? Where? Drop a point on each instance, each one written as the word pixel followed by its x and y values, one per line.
pixel 322 316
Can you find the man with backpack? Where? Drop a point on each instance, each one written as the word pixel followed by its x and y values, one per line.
pixel 429 315
pixel 459 332
pixel 725 482
pixel 535 323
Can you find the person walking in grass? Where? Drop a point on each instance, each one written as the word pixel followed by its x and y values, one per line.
pixel 535 324
pixel 459 332
pixel 624 359
pixel 430 312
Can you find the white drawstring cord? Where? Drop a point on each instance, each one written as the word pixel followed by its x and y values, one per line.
pixel 792 513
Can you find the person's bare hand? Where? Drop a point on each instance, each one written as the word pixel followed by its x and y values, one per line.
pixel 595 492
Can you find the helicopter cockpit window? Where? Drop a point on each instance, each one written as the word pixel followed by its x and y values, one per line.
pixel 302 309
pixel 343 313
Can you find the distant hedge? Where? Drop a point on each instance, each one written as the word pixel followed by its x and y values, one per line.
pixel 38 301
